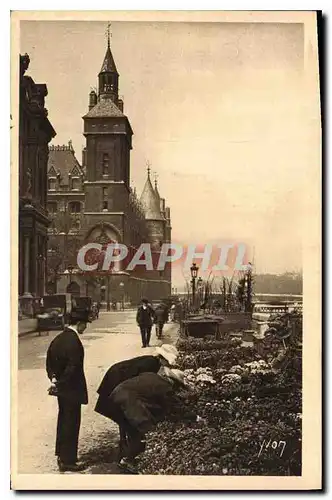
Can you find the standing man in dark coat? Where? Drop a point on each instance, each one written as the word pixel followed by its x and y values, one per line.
pixel 144 318
pixel 64 366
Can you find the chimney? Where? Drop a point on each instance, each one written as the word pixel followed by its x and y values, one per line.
pixel 92 99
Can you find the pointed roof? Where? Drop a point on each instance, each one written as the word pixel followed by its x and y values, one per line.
pixel 108 65
pixel 150 201
pixel 62 159
pixel 156 189
pixel 105 108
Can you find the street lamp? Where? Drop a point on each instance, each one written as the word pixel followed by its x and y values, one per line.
pixel 121 285
pixel 70 269
pixel 194 271
pixel 108 306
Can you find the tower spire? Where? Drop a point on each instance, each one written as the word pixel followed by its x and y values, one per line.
pixel 148 165
pixel 155 180
pixel 109 35
pixel 109 76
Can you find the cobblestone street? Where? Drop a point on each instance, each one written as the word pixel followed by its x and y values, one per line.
pixel 111 338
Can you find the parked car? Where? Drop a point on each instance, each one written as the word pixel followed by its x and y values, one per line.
pixel 55 310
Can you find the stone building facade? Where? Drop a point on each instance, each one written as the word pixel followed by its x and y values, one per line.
pixel 35 133
pixel 94 202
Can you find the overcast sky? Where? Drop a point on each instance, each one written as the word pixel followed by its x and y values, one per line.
pixel 217 109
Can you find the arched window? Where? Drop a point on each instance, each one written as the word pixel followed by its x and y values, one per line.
pixel 75 207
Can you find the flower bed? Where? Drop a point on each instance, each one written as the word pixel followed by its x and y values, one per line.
pixel 249 416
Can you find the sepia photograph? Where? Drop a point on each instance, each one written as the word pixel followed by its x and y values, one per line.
pixel 166 246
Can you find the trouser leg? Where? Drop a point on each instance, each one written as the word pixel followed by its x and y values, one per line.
pixel 143 335
pixel 69 422
pixel 59 429
pixel 123 442
pixel 148 334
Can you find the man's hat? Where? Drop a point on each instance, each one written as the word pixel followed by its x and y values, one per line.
pixel 168 352
pixel 80 315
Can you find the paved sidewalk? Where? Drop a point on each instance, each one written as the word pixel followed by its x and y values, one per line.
pixel 111 338
pixel 27 325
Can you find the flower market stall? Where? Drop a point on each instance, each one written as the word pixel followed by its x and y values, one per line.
pixel 249 409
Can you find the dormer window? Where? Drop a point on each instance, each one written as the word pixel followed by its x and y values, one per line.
pixel 105 164
pixel 76 184
pixel 51 184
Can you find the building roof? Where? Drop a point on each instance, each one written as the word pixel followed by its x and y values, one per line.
pixel 108 65
pixel 150 201
pixel 62 160
pixel 105 108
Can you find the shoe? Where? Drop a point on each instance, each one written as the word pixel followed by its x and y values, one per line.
pixel 77 467
pixel 127 465
pixel 143 346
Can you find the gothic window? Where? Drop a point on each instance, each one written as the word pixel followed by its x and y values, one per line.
pixel 105 192
pixel 105 205
pixel 75 207
pixel 105 164
pixel 76 184
pixel 52 207
pixel 51 184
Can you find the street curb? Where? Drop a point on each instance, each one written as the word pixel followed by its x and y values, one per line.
pixel 23 334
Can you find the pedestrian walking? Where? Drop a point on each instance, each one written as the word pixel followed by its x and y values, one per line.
pixel 65 369
pixel 161 317
pixel 173 312
pixel 144 318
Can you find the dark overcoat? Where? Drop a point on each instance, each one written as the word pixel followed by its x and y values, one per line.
pixel 140 402
pixel 65 362
pixel 120 372
pixel 145 316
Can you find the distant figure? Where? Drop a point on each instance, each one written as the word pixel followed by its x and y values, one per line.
pixel 173 307
pixel 161 317
pixel 144 318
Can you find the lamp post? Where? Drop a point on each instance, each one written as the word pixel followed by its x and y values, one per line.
pixel 199 288
pixel 102 289
pixel 70 269
pixel 108 306
pixel 121 285
pixel 194 271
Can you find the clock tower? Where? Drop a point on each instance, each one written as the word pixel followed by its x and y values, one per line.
pixel 108 143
